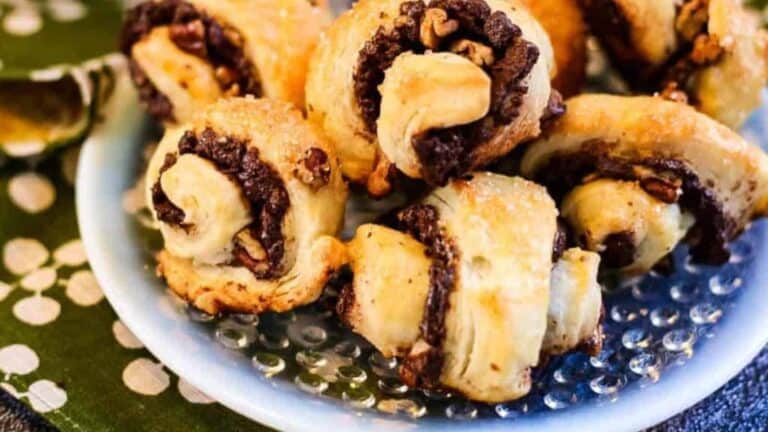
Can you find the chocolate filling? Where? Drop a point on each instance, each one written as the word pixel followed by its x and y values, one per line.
pixel 156 103
pixel 561 240
pixel 449 153
pixel 198 34
pixel 167 211
pixel 261 185
pixel 620 249
pixel 613 29
pixel 714 228
pixel 422 222
pixel 697 49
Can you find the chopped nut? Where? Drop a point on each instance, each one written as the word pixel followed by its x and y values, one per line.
pixel 673 93
pixel 313 169
pixel 706 50
pixel 225 76
pixel 233 90
pixel 478 53
pixel 661 189
pixel 250 252
pixel 692 18
pixel 436 26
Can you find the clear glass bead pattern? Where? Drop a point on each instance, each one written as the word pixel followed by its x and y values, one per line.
pixel 652 323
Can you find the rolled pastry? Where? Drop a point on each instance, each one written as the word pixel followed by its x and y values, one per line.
pixel 635 175
pixel 248 197
pixel 186 54
pixel 709 53
pixel 465 292
pixel 431 89
pixel 567 30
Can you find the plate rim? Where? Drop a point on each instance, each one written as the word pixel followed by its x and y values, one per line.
pixel 666 400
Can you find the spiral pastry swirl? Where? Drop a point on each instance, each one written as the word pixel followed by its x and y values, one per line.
pixel 636 175
pixel 186 54
pixel 708 53
pixel 248 198
pixel 464 288
pixel 430 89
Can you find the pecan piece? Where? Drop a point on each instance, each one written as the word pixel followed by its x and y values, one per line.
pixel 314 168
pixel 435 26
pixel 190 37
pixel 477 53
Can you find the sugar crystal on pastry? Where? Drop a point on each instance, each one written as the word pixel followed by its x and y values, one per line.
pixel 708 53
pixel 430 89
pixel 186 54
pixel 464 288
pixel 636 175
pixel 249 198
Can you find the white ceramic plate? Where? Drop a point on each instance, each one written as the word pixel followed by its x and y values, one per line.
pixel 110 163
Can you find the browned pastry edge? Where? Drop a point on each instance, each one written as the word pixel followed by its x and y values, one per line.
pixel 714 227
pixel 448 153
pixel 260 183
pixel 196 33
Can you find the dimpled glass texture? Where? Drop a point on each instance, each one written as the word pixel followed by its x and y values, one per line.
pixel 652 324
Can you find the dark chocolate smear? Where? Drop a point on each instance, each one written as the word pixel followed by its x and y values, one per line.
pixel 422 222
pixel 165 210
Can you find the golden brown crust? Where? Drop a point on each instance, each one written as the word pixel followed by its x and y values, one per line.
pixel 676 155
pixel 575 305
pixel 197 262
pixel 281 36
pixel 651 127
pixel 391 281
pixel 278 39
pixel 497 321
pixel 234 289
pixel 564 23
pixel 709 53
pixel 496 315
pixel 472 307
pixel 654 227
pixel 731 89
pixel 331 101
